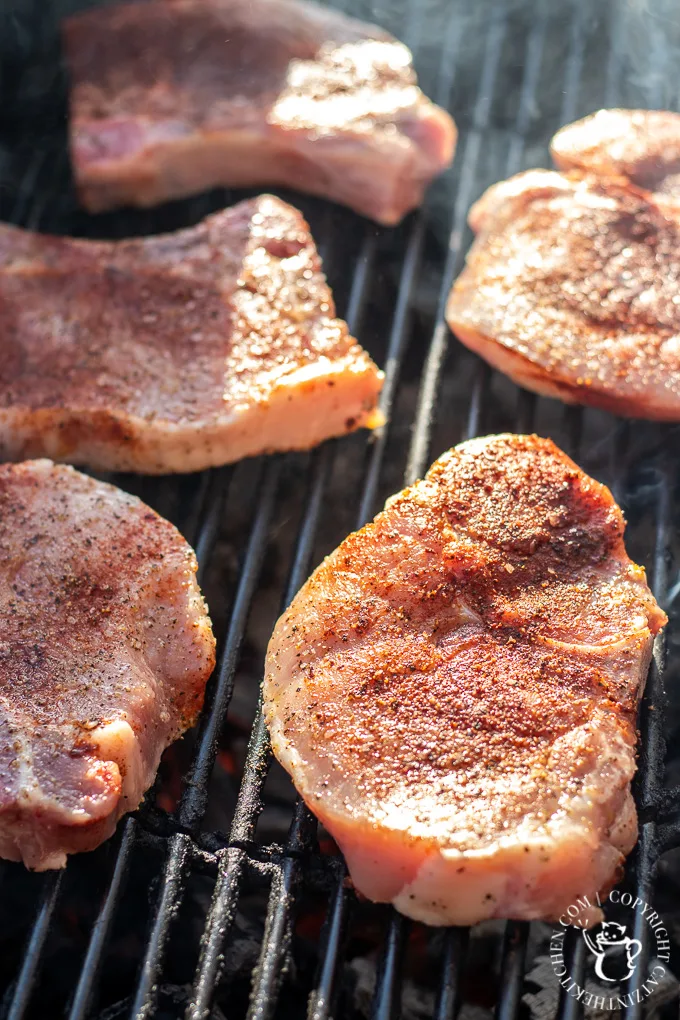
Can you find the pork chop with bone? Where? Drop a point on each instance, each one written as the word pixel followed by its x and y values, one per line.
pixel 571 289
pixel 640 146
pixel 177 352
pixel 105 650
pixel 454 690
pixel 171 97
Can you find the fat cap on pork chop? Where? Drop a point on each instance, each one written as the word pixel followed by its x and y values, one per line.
pixel 105 650
pixel 454 689
pixel 571 288
pixel 642 146
pixel 171 97
pixel 176 352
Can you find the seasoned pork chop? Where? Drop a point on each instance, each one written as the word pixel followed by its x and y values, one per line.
pixel 171 97
pixel 177 352
pixel 454 689
pixel 642 146
pixel 105 650
pixel 571 288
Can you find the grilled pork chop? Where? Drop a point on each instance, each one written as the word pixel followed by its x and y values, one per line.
pixel 170 97
pixel 571 288
pixel 642 146
pixel 177 352
pixel 454 689
pixel 105 650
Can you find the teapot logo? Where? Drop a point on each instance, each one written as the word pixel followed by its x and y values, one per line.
pixel 616 956
pixel 612 936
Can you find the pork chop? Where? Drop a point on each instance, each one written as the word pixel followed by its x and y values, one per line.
pixel 171 97
pixel 454 689
pixel 571 288
pixel 177 352
pixel 105 650
pixel 642 146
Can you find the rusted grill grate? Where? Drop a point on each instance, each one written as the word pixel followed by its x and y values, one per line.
pixel 154 920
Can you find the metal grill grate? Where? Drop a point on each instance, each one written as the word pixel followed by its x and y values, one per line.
pixel 510 74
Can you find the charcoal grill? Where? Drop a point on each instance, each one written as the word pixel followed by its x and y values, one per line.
pixel 152 924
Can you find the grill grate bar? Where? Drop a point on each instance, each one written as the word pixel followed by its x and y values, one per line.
pixel 645 866
pixel 388 981
pixel 212 719
pixel 571 1008
pixel 102 926
pixel 41 201
pixel 480 388
pixel 323 997
pixel 27 189
pixel 213 498
pixel 573 423
pixel 448 65
pixel 420 444
pixel 574 65
pixel 512 969
pixel 653 745
pixel 258 757
pixel 527 98
pixel 362 278
pixel 194 798
pixel 270 969
pixel 532 67
pixel 526 411
pixel 453 960
pixel 32 956
pixel 275 944
pixel 218 925
pixel 612 89
pixel 395 353
pixel 179 852
pixel 617 460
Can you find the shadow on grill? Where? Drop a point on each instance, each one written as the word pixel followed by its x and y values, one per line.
pixel 220 898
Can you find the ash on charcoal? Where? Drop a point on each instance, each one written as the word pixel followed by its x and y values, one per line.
pixel 172 1003
pixel 243 950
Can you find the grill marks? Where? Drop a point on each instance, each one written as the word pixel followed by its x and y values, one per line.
pixel 458 681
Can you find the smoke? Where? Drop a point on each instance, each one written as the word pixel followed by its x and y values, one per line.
pixel 646 51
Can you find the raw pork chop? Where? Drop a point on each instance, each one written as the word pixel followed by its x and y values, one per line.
pixel 571 288
pixel 170 97
pixel 454 689
pixel 177 352
pixel 105 650
pixel 642 146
